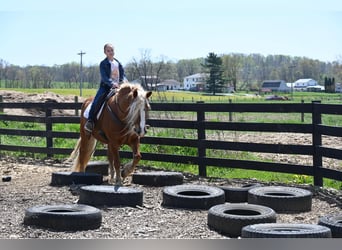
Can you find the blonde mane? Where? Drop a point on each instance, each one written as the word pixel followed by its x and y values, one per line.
pixel 139 104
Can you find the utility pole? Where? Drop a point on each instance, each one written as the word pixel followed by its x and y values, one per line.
pixel 291 67
pixel 81 72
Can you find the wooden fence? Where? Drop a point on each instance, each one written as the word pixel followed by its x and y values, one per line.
pixel 201 126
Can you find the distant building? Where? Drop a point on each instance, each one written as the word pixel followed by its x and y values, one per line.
pixel 275 86
pixel 317 88
pixel 338 87
pixel 195 82
pixel 302 84
pixel 169 85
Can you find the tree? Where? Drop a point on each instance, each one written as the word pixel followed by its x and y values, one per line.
pixel 232 65
pixel 214 65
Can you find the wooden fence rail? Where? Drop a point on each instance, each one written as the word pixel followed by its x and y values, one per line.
pixel 202 126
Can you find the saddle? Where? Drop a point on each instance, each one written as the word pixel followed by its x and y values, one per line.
pixel 99 108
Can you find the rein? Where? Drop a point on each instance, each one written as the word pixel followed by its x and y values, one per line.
pixel 114 116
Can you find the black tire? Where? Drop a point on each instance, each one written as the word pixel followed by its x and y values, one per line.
pixel 229 219
pixel 98 167
pixel 69 178
pixel 192 196
pixel 238 194
pixel 158 178
pixel 64 217
pixel 284 230
pixel 108 195
pixel 334 222
pixel 281 199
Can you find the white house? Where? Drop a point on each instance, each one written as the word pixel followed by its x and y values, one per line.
pixel 275 85
pixel 169 85
pixel 338 87
pixel 195 82
pixel 302 84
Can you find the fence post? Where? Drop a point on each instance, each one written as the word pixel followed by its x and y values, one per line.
pixel 1 109
pixel 48 128
pixel 230 113
pixel 317 143
pixel 76 101
pixel 302 116
pixel 202 170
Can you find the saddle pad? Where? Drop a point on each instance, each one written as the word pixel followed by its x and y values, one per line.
pixel 87 110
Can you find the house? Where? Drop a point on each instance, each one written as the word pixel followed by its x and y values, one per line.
pixel 302 84
pixel 338 87
pixel 195 82
pixel 275 86
pixel 317 88
pixel 169 85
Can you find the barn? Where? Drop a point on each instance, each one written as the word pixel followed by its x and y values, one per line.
pixel 275 86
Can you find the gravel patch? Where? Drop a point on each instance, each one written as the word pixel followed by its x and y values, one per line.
pixel 30 186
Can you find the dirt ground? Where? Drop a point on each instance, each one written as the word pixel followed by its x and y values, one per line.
pixel 30 186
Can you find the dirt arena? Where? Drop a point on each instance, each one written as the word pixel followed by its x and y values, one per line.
pixel 30 186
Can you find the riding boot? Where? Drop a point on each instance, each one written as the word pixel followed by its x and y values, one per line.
pixel 89 126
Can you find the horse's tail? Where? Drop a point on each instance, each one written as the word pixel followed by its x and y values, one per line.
pixel 81 158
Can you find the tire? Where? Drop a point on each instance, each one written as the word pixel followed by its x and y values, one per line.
pixel 334 222
pixel 98 167
pixel 284 230
pixel 229 219
pixel 69 178
pixel 192 196
pixel 108 195
pixel 238 194
pixel 158 178
pixel 281 199
pixel 64 217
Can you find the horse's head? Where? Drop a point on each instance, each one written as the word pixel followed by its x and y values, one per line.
pixel 137 109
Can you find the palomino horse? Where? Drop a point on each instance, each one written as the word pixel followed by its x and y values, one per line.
pixel 122 121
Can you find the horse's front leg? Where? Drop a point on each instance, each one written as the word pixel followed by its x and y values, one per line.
pixel 114 163
pixel 130 166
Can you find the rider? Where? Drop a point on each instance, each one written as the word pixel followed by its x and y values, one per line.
pixel 112 74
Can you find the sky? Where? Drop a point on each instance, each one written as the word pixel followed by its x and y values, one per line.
pixel 45 32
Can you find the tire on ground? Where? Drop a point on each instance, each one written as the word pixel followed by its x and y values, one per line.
pixel 285 230
pixel 281 199
pixel 64 217
pixel 69 178
pixel 97 167
pixel 158 178
pixel 192 196
pixel 229 219
pixel 238 194
pixel 108 195
pixel 334 222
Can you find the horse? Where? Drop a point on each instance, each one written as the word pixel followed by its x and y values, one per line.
pixel 122 122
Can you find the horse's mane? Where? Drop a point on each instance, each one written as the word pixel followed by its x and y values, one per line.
pixel 140 102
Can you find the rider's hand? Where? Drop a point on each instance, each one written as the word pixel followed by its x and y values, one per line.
pixel 115 85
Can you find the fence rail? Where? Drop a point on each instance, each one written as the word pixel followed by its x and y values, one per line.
pixel 201 126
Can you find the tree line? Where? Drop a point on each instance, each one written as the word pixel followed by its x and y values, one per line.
pixel 242 71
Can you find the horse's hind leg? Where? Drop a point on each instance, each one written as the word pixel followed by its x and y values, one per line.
pixel 87 148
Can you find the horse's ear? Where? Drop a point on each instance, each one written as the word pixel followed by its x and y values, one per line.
pixel 148 94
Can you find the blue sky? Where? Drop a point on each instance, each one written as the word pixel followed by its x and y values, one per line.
pixel 46 32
